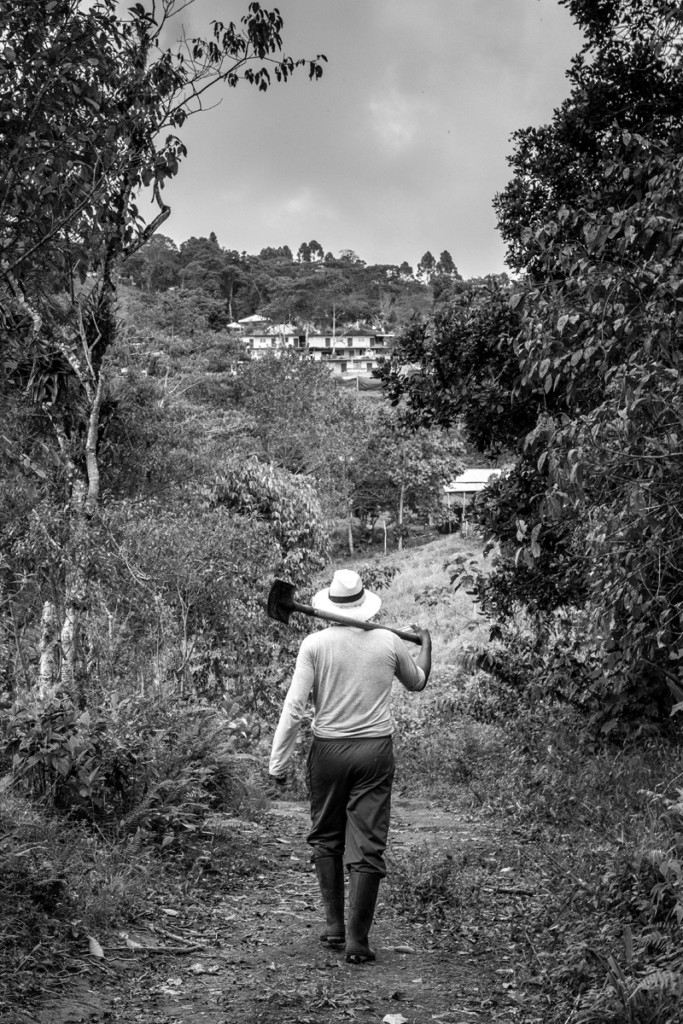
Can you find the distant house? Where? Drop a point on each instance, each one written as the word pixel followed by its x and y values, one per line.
pixel 354 352
pixel 260 336
pixel 259 344
pixel 461 491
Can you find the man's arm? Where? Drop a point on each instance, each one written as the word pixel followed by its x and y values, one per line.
pixel 424 658
pixel 413 672
pixel 285 736
pixel 291 715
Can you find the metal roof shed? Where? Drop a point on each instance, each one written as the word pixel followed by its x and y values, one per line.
pixel 468 483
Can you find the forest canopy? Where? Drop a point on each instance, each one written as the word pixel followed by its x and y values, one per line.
pixel 312 288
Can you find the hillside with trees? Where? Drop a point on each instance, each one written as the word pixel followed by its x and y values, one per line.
pixel 313 287
pixel 153 483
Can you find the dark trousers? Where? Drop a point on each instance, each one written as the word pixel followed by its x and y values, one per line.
pixel 349 782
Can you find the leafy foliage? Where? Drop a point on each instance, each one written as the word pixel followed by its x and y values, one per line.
pixel 132 764
pixel 610 351
pixel 466 368
pixel 626 76
pixel 539 560
pixel 297 413
pixel 288 503
pixel 601 241
pixel 68 759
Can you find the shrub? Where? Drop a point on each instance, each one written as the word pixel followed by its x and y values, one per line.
pixel 377 575
pixel 69 759
pixel 142 763
pixel 654 998
pixel 288 503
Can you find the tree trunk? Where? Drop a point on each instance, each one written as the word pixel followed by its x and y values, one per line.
pixel 400 517
pixel 349 527
pixel 21 661
pixel 47 675
pixel 83 501
pixel 69 638
pixel 93 469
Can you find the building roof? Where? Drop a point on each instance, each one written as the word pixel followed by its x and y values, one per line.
pixel 471 480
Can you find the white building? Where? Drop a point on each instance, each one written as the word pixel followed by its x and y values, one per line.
pixel 260 335
pixel 355 352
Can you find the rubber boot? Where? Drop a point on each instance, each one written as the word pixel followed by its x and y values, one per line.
pixel 363 891
pixel 330 872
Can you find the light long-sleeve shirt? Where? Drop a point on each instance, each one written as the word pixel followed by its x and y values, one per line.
pixel 350 672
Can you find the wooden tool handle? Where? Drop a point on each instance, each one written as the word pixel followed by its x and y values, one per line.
pixel 343 620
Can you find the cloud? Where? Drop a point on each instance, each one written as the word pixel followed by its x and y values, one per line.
pixel 394 119
pixel 399 148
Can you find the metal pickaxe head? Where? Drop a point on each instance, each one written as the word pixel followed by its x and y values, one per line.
pixel 281 601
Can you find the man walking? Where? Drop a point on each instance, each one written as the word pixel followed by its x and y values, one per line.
pixel 349 671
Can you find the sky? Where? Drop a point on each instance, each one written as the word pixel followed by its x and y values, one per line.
pixel 398 149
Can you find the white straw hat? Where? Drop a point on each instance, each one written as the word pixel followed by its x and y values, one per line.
pixel 346 596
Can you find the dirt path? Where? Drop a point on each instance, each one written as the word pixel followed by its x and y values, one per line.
pixel 251 954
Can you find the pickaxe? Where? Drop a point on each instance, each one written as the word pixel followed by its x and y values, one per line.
pixel 281 604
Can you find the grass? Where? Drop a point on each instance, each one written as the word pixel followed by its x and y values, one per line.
pixel 443 758
pixel 421 593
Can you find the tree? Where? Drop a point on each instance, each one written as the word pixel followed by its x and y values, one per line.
pixel 303 253
pixel 287 501
pixel 593 214
pixel 177 581
pixel 446 283
pixel 89 116
pixel 331 289
pixel 310 252
pixel 290 300
pixel 412 466
pixel 599 334
pixel 467 369
pixel 283 253
pixel 316 251
pixel 294 406
pixel 426 267
pixel 626 75
pixel 446 265
pixel 395 467
pixel 202 264
pixel 348 481
pixel 156 266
